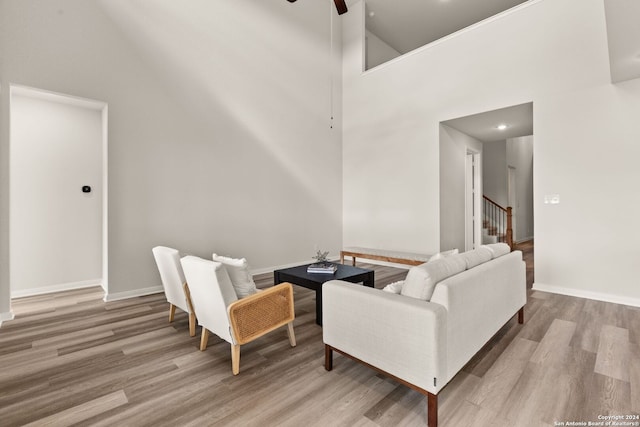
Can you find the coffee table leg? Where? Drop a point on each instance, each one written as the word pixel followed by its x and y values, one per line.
pixel 369 281
pixel 319 306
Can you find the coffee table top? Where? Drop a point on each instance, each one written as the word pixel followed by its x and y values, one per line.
pixel 344 272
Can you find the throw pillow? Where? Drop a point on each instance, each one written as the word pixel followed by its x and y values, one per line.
pixel 476 257
pixel 498 249
pixel 394 288
pixel 241 278
pixel 443 254
pixel 422 279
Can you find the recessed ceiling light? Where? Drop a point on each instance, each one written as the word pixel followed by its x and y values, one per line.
pixel 501 126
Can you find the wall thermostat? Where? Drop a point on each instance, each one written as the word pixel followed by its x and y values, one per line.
pixel 86 189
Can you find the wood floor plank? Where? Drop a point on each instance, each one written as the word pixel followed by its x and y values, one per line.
pixel 607 396
pixel 557 337
pixel 82 412
pixel 482 417
pixel 73 338
pixel 587 335
pixel 632 315
pixel 531 397
pixel 613 353
pixel 634 378
pixel 571 391
pixel 498 382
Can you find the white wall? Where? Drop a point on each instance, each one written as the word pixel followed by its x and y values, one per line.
pixel 520 156
pixel 550 52
pixel 378 51
pixel 454 146
pixel 494 171
pixel 56 229
pixel 219 122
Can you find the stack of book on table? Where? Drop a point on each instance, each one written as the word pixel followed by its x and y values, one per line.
pixel 322 267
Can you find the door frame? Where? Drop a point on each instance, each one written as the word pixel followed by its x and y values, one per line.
pixel 15 89
pixel 512 197
pixel 473 199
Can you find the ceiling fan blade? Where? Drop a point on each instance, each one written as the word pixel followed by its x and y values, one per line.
pixel 341 6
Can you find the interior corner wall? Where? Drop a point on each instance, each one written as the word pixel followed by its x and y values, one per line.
pixel 520 156
pixel 454 146
pixel 220 136
pixel 552 53
pixel 494 171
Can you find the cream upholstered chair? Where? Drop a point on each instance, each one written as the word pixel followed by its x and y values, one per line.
pixel 237 321
pixel 174 284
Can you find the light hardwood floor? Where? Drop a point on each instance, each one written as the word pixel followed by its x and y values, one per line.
pixel 71 359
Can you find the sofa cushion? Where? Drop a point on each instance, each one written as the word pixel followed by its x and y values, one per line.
pixel 497 249
pixel 394 288
pixel 422 279
pixel 476 257
pixel 241 278
pixel 443 254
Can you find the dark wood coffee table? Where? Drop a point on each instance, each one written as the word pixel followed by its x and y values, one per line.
pixel 299 276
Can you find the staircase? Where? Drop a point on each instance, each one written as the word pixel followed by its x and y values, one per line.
pixel 496 223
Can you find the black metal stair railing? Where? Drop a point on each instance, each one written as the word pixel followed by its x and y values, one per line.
pixel 497 220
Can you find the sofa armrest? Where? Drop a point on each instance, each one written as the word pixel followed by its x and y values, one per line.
pixel 403 336
pixel 479 301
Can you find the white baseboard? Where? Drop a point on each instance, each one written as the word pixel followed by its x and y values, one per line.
pixel 598 296
pixel 133 293
pixel 5 317
pixel 55 288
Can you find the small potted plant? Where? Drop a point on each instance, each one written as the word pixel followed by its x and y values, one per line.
pixel 321 257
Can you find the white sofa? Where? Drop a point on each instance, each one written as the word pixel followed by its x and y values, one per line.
pixel 423 341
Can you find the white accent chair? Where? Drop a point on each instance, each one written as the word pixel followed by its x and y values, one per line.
pixel 175 286
pixel 237 321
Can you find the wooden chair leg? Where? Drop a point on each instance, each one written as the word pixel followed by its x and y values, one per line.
pixel 521 316
pixel 432 410
pixel 192 312
pixel 292 335
pixel 172 312
pixel 192 324
pixel 235 359
pixel 328 358
pixel 204 339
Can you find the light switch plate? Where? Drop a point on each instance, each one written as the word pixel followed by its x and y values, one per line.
pixel 551 199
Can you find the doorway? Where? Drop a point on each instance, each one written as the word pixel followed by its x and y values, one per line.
pixel 503 139
pixel 58 192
